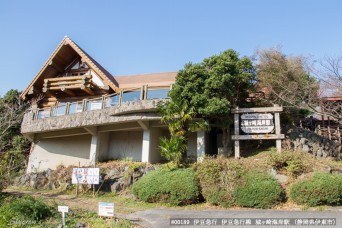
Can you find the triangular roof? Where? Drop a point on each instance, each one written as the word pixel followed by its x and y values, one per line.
pixel 65 53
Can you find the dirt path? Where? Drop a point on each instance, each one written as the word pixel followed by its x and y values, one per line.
pixel 69 200
pixel 81 202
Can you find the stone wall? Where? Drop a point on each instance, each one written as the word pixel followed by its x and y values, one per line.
pixel 128 111
pixel 112 179
pixel 310 142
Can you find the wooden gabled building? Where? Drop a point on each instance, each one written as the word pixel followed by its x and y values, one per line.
pixel 69 74
pixel 81 114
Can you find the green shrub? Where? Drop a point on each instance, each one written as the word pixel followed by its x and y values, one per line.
pixel 218 179
pixel 173 149
pixel 24 209
pixel 3 182
pixel 260 190
pixel 177 187
pixel 321 189
pixel 289 162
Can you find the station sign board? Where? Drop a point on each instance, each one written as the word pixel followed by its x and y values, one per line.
pixel 260 123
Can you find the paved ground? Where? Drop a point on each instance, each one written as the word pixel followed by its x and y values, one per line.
pixel 160 218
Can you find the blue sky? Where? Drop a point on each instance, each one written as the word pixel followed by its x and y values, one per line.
pixel 134 37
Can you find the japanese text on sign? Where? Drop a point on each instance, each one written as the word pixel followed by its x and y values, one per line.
pixel 85 175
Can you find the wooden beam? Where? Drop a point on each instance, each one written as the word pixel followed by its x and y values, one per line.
pixel 106 87
pixel 67 78
pixel 86 76
pixel 257 137
pixel 236 132
pixel 66 82
pixel 48 104
pixel 76 86
pixel 67 91
pixel 263 109
pixel 32 90
pixel 54 66
pixel 277 130
pixel 88 91
pixel 50 99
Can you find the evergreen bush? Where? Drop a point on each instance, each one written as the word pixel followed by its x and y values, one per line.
pixel 218 179
pixel 177 187
pixel 259 190
pixel 289 162
pixel 321 189
pixel 24 210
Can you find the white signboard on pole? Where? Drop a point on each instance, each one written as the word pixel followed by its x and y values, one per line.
pixel 257 123
pixel 63 209
pixel 106 209
pixel 85 176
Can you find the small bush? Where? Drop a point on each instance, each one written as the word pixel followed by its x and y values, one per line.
pixel 24 209
pixel 260 190
pixel 321 189
pixel 218 179
pixel 177 187
pixel 3 183
pixel 173 149
pixel 289 162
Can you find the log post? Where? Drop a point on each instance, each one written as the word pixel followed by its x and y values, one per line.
pixel 277 130
pixel 236 132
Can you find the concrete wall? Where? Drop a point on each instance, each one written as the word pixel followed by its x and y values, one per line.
pixel 125 144
pixel 127 112
pixel 156 134
pixel 192 144
pixel 103 146
pixel 49 153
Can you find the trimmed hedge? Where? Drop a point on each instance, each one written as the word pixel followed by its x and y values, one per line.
pixel 177 187
pixel 260 190
pixel 321 189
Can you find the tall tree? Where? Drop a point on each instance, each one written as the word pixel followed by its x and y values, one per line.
pixel 330 76
pixel 12 110
pixel 229 80
pixel 179 112
pixel 13 146
pixel 210 89
pixel 286 80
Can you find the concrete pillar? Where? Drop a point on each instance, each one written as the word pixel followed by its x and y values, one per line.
pixel 200 145
pixel 146 147
pixel 93 150
pixel 103 146
pixel 156 134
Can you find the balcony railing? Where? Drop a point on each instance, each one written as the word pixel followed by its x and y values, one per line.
pixel 105 101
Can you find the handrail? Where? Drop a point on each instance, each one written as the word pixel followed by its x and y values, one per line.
pixel 103 103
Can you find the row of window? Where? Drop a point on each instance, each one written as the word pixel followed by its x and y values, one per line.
pixel 99 103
